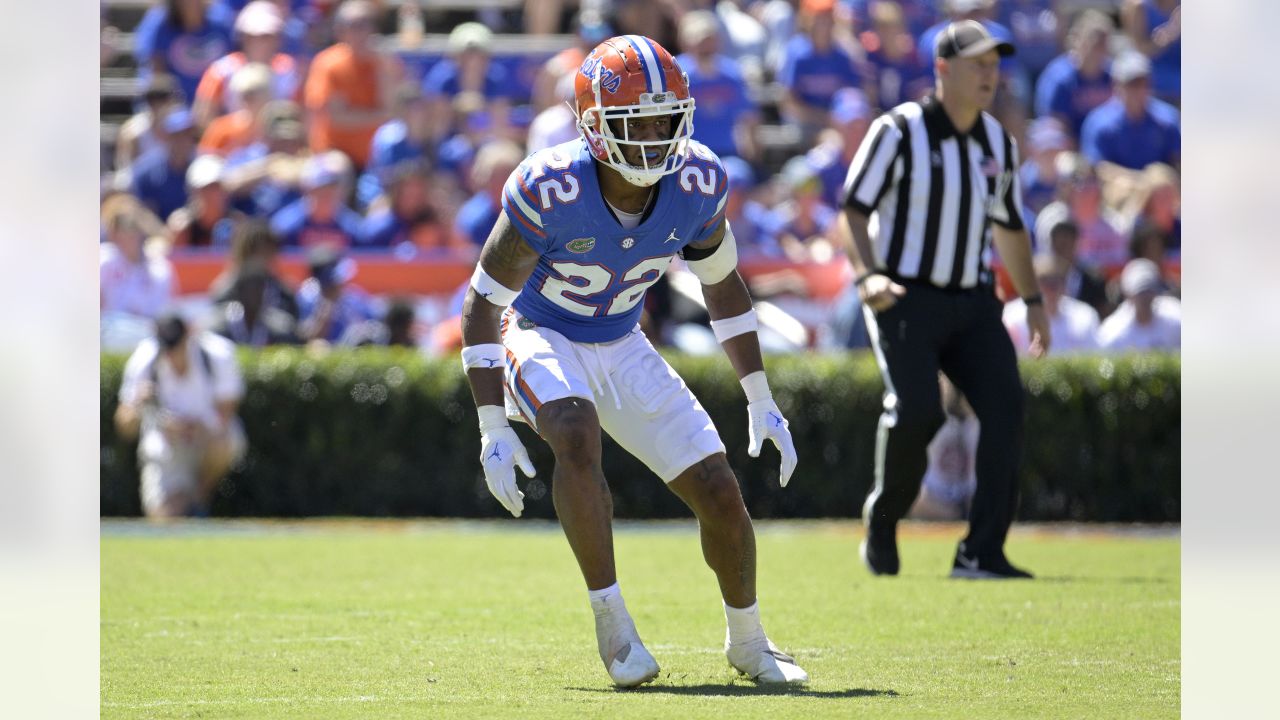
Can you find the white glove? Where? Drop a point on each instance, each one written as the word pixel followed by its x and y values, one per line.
pixel 500 451
pixel 765 421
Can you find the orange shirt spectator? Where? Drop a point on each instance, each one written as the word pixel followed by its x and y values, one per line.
pixel 349 87
pixel 251 87
pixel 258 29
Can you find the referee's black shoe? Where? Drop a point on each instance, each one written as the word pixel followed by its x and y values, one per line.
pixel 997 567
pixel 879 549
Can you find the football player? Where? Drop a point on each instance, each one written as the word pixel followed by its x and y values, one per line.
pixel 551 337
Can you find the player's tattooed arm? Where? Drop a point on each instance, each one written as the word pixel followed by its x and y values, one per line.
pixel 508 259
pixel 727 299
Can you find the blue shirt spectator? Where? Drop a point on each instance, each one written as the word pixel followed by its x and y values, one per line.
pixel 814 75
pixel 182 39
pixel 900 72
pixel 918 15
pixel 1132 129
pixel 476 218
pixel 327 305
pixel 299 224
pixel 1156 28
pixel 1035 28
pixel 1077 81
pixel 442 79
pixel 159 177
pixel 721 97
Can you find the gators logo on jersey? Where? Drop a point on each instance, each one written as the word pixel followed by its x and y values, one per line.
pixel 580 245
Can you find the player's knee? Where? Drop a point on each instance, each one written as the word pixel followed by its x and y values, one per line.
pixel 572 429
pixel 721 497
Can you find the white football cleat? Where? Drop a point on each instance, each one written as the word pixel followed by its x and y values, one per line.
pixel 624 655
pixel 764 663
pixel 633 665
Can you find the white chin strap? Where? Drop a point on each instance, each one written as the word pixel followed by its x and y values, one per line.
pixel 673 152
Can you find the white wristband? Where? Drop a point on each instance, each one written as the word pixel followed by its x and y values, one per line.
pixel 726 328
pixel 490 289
pixel 492 416
pixel 484 355
pixel 756 386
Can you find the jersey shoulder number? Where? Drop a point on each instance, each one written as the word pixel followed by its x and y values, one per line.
pixel 545 183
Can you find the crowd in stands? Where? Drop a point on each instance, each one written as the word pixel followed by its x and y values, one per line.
pixel 337 130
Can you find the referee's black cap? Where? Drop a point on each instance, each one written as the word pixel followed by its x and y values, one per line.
pixel 968 38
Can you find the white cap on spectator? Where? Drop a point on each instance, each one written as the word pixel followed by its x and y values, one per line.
pixel 252 78
pixel 1139 275
pixel 318 172
pixel 966 6
pixel 1046 133
pixel 204 171
pixel 1130 65
pixel 470 36
pixel 698 25
pixel 260 17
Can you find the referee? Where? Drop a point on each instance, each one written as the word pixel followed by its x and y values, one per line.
pixel 932 184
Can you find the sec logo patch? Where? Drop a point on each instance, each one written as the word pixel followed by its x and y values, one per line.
pixel 525 324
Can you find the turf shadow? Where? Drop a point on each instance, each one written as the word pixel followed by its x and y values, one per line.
pixel 741 690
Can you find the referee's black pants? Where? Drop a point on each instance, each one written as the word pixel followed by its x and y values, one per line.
pixel 961 334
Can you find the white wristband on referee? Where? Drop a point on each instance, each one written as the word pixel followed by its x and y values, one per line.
pixel 484 355
pixel 732 327
pixel 756 386
pixel 491 416
pixel 490 289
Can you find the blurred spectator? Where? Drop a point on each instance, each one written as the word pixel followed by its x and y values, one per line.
pixel 141 134
pixel 248 316
pixel 1039 172
pixel 1159 203
pixel 745 39
pixel 1102 243
pixel 1059 235
pixel 901 74
pixel 1155 27
pixel 182 38
pixel 265 176
pixel 407 136
pixel 132 280
pixel 591 30
pixel 918 15
pixel 803 218
pixel 1012 75
pixel 179 396
pixel 408 220
pixel 1132 129
pixel 254 247
pixel 319 217
pixel 397 328
pixel 468 70
pixel 1148 242
pixel 159 178
pixel 349 86
pixel 251 87
pixel 207 219
pixel 1077 81
pixel 1036 29
pixel 753 224
pixel 1144 321
pixel 950 477
pixel 494 164
pixel 1073 324
pixel 830 158
pixel 258 28
pixel 727 118
pixel 556 124
pixel 814 68
pixel 329 306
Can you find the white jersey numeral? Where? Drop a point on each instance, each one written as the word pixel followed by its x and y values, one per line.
pixel 705 177
pixel 579 281
pixel 565 187
pixel 644 274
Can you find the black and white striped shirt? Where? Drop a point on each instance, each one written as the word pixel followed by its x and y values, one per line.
pixel 931 193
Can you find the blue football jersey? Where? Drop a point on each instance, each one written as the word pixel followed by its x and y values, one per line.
pixel 592 275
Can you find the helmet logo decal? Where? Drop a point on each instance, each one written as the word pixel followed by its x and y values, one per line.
pixel 608 79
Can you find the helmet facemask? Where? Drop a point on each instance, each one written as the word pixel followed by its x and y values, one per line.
pixel 607 145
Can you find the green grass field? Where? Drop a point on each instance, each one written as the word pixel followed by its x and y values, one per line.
pixel 469 620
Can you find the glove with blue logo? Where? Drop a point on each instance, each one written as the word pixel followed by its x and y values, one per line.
pixel 500 452
pixel 765 422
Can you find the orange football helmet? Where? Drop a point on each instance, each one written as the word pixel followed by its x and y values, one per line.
pixel 631 76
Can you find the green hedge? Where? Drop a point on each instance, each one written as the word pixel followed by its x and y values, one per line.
pixel 385 432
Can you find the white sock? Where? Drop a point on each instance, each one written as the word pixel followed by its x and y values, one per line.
pixel 744 624
pixel 606 600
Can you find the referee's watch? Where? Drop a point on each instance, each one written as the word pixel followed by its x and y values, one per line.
pixel 1036 299
pixel 865 277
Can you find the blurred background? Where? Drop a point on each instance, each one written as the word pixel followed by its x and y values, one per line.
pixel 322 174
